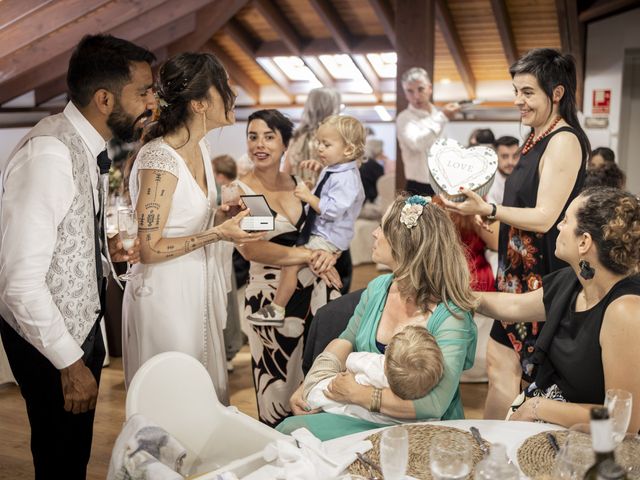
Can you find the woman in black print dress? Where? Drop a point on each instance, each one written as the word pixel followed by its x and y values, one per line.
pixel 548 176
pixel 276 352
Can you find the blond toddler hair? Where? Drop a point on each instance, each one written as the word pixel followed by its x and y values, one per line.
pixel 413 363
pixel 352 132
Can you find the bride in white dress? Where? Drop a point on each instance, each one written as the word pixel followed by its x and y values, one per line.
pixel 173 188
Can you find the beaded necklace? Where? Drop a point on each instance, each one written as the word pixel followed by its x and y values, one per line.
pixel 530 143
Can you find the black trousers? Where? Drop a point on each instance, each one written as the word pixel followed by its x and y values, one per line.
pixel 60 440
pixel 417 188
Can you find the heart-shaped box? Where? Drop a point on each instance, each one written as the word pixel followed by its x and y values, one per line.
pixel 452 166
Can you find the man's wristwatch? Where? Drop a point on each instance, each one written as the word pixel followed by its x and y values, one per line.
pixel 494 209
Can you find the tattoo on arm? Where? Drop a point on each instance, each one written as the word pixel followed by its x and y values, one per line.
pixel 155 205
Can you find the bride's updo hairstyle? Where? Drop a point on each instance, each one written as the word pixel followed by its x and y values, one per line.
pixel 432 266
pixel 183 78
pixel 612 218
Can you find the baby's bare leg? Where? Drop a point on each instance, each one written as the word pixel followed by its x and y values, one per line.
pixel 287 285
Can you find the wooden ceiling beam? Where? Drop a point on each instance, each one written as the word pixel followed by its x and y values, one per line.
pixel 368 73
pixel 503 22
pixel 242 38
pixel 277 77
pixel 42 51
pixel 386 17
pixel 15 10
pixel 287 32
pixel 452 39
pixel 235 71
pixel 606 8
pixel 334 23
pixel 210 18
pixel 50 90
pixel 319 70
pixel 322 46
pixel 43 21
pixel 573 40
pixel 154 36
pixel 249 45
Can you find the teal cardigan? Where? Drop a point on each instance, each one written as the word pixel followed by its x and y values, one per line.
pixel 456 337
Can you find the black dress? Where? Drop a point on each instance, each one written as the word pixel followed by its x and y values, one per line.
pixel 568 353
pixel 525 257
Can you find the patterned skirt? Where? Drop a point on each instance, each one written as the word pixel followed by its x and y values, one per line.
pixel 276 353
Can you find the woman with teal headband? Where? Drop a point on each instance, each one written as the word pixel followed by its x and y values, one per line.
pixel 429 287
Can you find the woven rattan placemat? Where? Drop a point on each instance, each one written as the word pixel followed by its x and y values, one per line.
pixel 420 437
pixel 536 457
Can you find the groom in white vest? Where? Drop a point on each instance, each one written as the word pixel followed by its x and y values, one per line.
pixel 54 256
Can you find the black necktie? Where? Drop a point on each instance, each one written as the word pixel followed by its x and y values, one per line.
pixel 305 234
pixel 104 162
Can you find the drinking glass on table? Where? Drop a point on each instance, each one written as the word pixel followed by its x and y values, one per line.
pixel 394 453
pixel 128 230
pixel 230 195
pixel 450 456
pixel 576 455
pixel 619 403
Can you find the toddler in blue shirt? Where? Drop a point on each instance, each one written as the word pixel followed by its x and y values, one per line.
pixel 334 205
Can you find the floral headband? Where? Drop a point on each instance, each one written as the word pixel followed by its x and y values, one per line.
pixel 413 208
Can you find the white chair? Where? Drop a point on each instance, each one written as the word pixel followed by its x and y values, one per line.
pixel 175 391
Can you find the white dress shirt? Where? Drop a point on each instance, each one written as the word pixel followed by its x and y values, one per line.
pixel 37 192
pixel 496 192
pixel 417 130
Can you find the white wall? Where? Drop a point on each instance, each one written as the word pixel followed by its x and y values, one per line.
pixel 231 140
pixel 606 43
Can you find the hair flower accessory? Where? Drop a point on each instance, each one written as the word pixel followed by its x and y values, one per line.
pixel 162 103
pixel 412 209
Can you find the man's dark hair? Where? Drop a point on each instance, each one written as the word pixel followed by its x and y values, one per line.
pixel 484 136
pixel 506 141
pixel 606 154
pixel 102 61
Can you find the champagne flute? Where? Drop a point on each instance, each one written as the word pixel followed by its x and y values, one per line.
pixel 619 403
pixel 450 456
pixel 230 195
pixel 394 453
pixel 128 230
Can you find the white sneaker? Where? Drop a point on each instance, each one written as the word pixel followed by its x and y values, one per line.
pixel 269 315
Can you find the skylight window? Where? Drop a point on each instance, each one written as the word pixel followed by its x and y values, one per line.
pixel 385 64
pixel 341 67
pixel 295 69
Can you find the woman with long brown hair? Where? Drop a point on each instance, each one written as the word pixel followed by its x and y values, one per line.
pixel 429 287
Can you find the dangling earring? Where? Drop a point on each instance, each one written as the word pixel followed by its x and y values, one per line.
pixel 586 270
pixel 204 123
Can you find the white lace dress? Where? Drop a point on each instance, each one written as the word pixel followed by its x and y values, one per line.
pixel 186 310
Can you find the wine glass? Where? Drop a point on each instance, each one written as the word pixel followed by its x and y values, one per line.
pixel 394 452
pixel 230 195
pixel 450 456
pixel 619 403
pixel 128 230
pixel 576 455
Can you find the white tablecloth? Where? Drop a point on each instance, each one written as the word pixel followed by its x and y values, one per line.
pixel 511 434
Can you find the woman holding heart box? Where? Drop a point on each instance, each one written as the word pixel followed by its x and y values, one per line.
pixel 548 177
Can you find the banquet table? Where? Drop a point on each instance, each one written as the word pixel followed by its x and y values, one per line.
pixel 511 434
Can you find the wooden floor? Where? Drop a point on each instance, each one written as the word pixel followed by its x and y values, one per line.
pixel 15 455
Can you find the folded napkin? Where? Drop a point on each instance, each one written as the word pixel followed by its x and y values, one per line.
pixel 310 460
pixel 145 450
